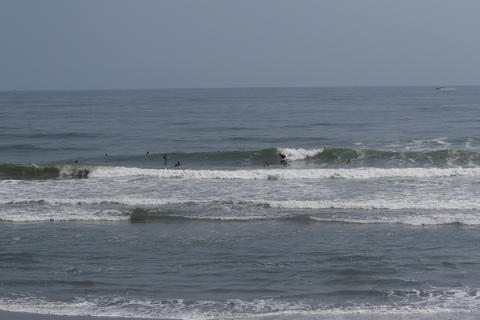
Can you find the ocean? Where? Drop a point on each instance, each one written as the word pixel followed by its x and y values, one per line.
pixel 289 203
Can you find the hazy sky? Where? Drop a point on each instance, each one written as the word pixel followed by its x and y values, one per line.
pixel 63 44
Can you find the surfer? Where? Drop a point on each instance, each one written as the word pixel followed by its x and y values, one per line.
pixel 349 161
pixel 82 173
pixel 266 165
pixel 147 155
pixel 283 160
pixel 178 164
pixel 165 159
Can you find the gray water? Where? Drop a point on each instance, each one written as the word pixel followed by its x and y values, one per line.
pixel 376 213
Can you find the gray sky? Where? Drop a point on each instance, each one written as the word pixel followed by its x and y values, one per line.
pixel 97 44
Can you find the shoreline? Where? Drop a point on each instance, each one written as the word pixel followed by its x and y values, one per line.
pixel 14 315
pixel 459 315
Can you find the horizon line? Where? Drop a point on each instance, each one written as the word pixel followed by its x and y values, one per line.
pixel 238 87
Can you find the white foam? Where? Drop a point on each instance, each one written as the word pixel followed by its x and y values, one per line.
pixel 441 141
pixel 67 214
pixel 124 200
pixel 374 204
pixel 136 308
pixel 299 154
pixel 412 220
pixel 285 173
pixel 393 204
pixel 468 144
pixel 268 308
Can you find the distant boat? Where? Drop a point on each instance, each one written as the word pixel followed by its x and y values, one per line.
pixel 445 89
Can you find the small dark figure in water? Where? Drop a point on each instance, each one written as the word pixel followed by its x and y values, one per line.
pixel 178 164
pixel 283 159
pixel 147 155
pixel 349 161
pixel 266 165
pixel 76 161
pixel 165 159
pixel 83 174
pixel 106 154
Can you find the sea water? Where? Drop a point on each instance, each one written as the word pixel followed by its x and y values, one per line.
pixel 374 215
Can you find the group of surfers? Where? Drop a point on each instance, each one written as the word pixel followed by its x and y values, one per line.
pixel 165 158
pixel 283 160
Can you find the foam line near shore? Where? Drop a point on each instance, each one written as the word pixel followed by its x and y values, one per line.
pixel 8 315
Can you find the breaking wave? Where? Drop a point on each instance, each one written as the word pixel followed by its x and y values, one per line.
pixel 284 173
pixel 31 172
pixel 424 304
pixel 36 172
pixel 177 210
pixel 334 162
pixel 319 157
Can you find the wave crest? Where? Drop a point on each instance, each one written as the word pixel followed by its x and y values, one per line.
pixel 319 163
pixel 38 172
